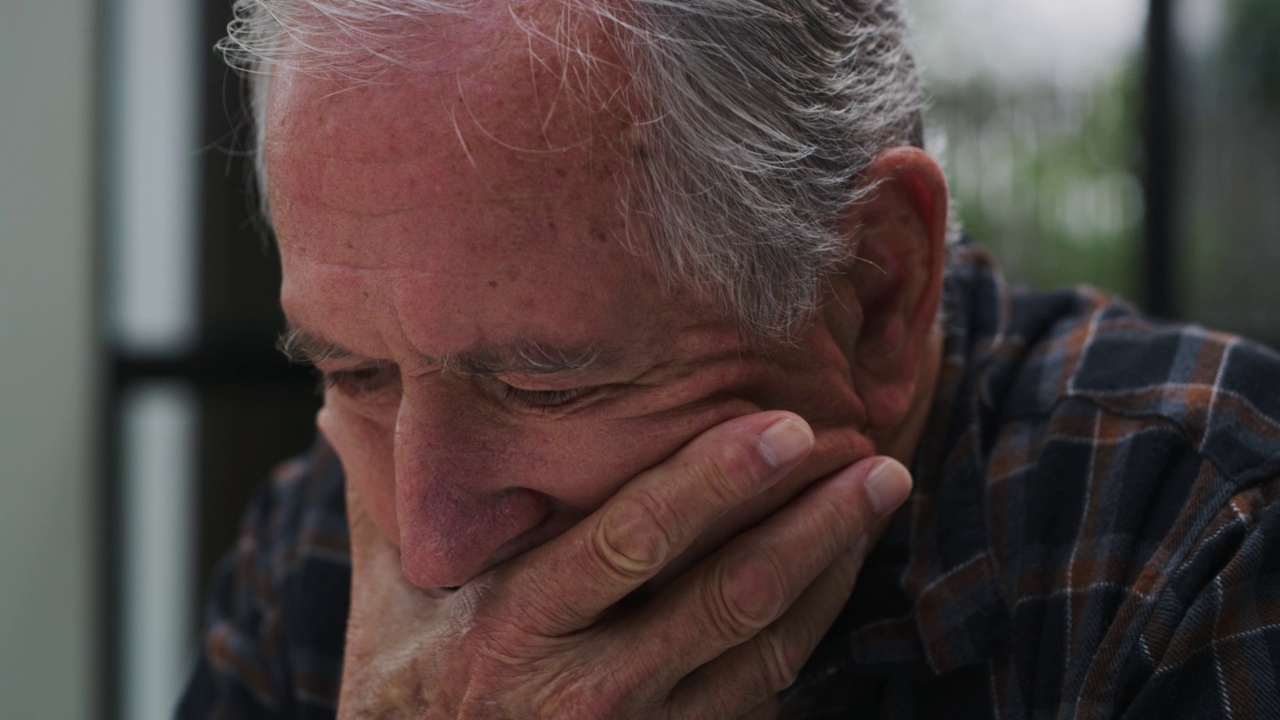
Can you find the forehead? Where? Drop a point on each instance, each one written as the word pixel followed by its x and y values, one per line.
pixel 475 192
pixel 545 66
pixel 521 114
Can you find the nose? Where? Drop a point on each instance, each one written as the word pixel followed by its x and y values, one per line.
pixel 459 504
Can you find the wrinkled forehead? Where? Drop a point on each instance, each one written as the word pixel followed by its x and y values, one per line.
pixel 517 81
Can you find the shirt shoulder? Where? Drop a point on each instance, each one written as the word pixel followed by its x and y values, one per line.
pixel 276 611
pixel 1215 390
pixel 1129 474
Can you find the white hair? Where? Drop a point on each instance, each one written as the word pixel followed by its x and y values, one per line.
pixel 760 118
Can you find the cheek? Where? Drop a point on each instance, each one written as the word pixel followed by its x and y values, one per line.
pixel 365 446
pixel 578 462
pixel 584 463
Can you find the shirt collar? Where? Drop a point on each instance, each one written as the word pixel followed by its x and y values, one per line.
pixel 928 598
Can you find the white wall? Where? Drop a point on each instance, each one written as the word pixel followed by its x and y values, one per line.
pixel 49 589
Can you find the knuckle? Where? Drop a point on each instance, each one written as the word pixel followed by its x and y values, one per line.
pixel 576 693
pixel 526 615
pixel 728 475
pixel 749 596
pixel 781 658
pixel 633 539
pixel 709 478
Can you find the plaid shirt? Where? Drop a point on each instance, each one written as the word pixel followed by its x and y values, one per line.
pixel 1094 533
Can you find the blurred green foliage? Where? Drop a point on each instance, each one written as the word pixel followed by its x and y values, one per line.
pixel 1047 177
pixel 1046 169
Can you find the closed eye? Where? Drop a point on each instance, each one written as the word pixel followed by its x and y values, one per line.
pixel 362 382
pixel 542 399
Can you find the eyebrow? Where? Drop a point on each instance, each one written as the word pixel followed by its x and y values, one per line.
pixel 521 356
pixel 303 348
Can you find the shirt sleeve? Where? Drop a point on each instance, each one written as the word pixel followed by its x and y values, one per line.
pixel 1211 647
pixel 276 614
pixel 240 670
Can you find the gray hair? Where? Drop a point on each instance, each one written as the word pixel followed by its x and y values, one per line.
pixel 761 116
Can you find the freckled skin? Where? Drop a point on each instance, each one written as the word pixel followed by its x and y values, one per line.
pixel 428 215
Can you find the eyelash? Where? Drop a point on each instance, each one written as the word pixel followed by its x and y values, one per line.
pixel 365 381
pixel 542 399
pixel 358 382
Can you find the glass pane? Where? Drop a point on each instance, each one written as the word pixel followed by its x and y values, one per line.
pixel 152 166
pixel 158 422
pixel 1035 113
pixel 1230 166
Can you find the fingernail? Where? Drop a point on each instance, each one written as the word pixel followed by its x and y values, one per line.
pixel 888 486
pixel 785 442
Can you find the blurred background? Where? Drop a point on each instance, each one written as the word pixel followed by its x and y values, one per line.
pixel 1130 144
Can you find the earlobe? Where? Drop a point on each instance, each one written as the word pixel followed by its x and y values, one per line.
pixel 900 246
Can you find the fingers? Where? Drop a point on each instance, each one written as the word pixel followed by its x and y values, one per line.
pixel 654 518
pixel 767 710
pixel 745 587
pixel 755 672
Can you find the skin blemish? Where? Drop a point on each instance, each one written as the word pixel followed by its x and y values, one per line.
pixel 493 284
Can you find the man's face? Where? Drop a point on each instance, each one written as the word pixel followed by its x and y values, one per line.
pixel 505 363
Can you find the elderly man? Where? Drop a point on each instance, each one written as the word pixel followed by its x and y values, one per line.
pixel 629 315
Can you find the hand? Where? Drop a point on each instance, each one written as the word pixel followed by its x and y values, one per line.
pixel 543 635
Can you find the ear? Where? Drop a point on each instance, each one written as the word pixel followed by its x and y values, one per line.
pixel 899 236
